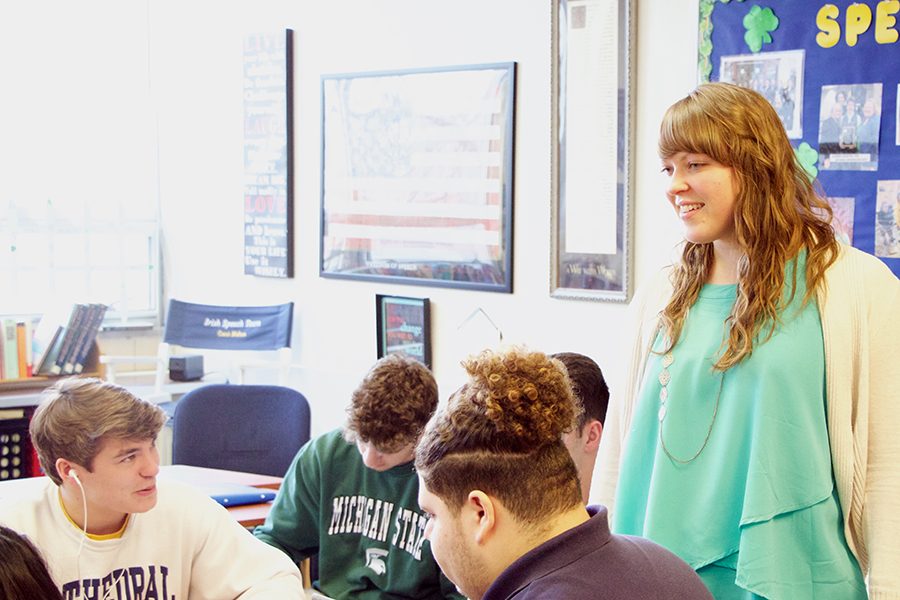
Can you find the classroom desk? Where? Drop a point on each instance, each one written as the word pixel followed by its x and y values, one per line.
pixel 249 515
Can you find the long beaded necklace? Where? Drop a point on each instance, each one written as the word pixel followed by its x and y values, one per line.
pixel 664 377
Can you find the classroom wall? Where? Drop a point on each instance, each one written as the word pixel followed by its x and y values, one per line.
pixel 195 55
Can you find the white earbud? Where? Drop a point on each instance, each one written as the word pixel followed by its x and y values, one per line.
pixel 74 475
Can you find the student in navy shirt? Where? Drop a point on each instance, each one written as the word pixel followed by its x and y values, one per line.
pixel 503 497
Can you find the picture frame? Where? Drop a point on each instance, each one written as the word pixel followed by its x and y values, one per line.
pixel 417 176
pixel 592 132
pixel 268 149
pixel 403 324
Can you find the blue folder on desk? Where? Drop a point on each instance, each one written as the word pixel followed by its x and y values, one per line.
pixel 236 494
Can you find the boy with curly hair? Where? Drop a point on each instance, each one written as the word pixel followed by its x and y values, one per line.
pixel 502 493
pixel 350 495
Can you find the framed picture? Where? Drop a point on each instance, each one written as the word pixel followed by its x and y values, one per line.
pixel 591 165
pixel 849 127
pixel 417 172
pixel 404 325
pixel 268 155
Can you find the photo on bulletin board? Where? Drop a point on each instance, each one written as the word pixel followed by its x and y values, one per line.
pixel 403 325
pixel 887 219
pixel 897 119
pixel 839 62
pixel 776 75
pixel 842 218
pixel 849 127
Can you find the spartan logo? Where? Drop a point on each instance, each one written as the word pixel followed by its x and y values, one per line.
pixel 375 560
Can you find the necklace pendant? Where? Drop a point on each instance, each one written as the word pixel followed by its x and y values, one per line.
pixel 664 377
pixel 662 413
pixel 668 359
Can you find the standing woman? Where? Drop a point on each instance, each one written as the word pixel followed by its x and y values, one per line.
pixel 757 434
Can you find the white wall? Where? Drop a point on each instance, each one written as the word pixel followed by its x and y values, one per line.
pixel 196 78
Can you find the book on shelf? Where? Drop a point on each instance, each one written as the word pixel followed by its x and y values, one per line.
pixel 76 320
pixel 29 346
pixel 22 346
pixel 87 337
pixel 49 346
pixel 10 350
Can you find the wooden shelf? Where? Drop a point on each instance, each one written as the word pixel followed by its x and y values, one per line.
pixel 39 382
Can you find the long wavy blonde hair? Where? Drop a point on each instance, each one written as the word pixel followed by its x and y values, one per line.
pixel 777 212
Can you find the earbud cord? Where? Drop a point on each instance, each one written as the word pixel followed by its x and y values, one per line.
pixel 83 527
pixel 84 537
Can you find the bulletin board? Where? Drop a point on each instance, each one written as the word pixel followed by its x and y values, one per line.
pixel 832 71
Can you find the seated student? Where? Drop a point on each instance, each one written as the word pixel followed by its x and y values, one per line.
pixel 503 496
pixel 350 495
pixel 592 394
pixel 23 573
pixel 109 529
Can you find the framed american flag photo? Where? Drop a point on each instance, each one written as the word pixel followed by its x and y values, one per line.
pixel 417 171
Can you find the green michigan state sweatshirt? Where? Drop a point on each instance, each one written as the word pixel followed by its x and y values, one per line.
pixel 365 525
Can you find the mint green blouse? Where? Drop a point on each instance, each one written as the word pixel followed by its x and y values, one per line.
pixel 756 513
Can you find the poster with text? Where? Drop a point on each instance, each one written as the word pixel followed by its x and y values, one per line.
pixel 268 164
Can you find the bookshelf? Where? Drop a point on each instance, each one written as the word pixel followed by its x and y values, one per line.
pixel 31 386
pixel 92 368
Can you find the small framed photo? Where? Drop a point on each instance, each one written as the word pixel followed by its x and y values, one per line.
pixel 850 127
pixel 404 325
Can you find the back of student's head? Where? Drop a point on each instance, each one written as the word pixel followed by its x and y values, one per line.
pixel 501 434
pixel 588 384
pixel 76 416
pixel 392 404
pixel 23 574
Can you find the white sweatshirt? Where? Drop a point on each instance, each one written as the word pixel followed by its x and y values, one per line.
pixel 186 548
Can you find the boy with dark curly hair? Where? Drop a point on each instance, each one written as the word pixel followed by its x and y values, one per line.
pixel 350 495
pixel 502 493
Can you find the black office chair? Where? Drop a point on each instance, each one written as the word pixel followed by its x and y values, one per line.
pixel 252 428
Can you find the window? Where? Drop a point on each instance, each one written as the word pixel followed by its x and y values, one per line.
pixel 78 193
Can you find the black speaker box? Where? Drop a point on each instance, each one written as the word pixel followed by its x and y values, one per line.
pixel 186 368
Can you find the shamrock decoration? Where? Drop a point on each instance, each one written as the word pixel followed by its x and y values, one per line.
pixel 808 157
pixel 758 23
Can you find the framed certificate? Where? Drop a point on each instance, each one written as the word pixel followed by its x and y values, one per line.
pixel 591 166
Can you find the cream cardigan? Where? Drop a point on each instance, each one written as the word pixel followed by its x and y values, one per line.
pixel 860 313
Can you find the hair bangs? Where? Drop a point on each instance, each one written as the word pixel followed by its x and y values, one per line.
pixel 687 127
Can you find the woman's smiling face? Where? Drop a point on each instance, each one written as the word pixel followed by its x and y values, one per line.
pixel 703 193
